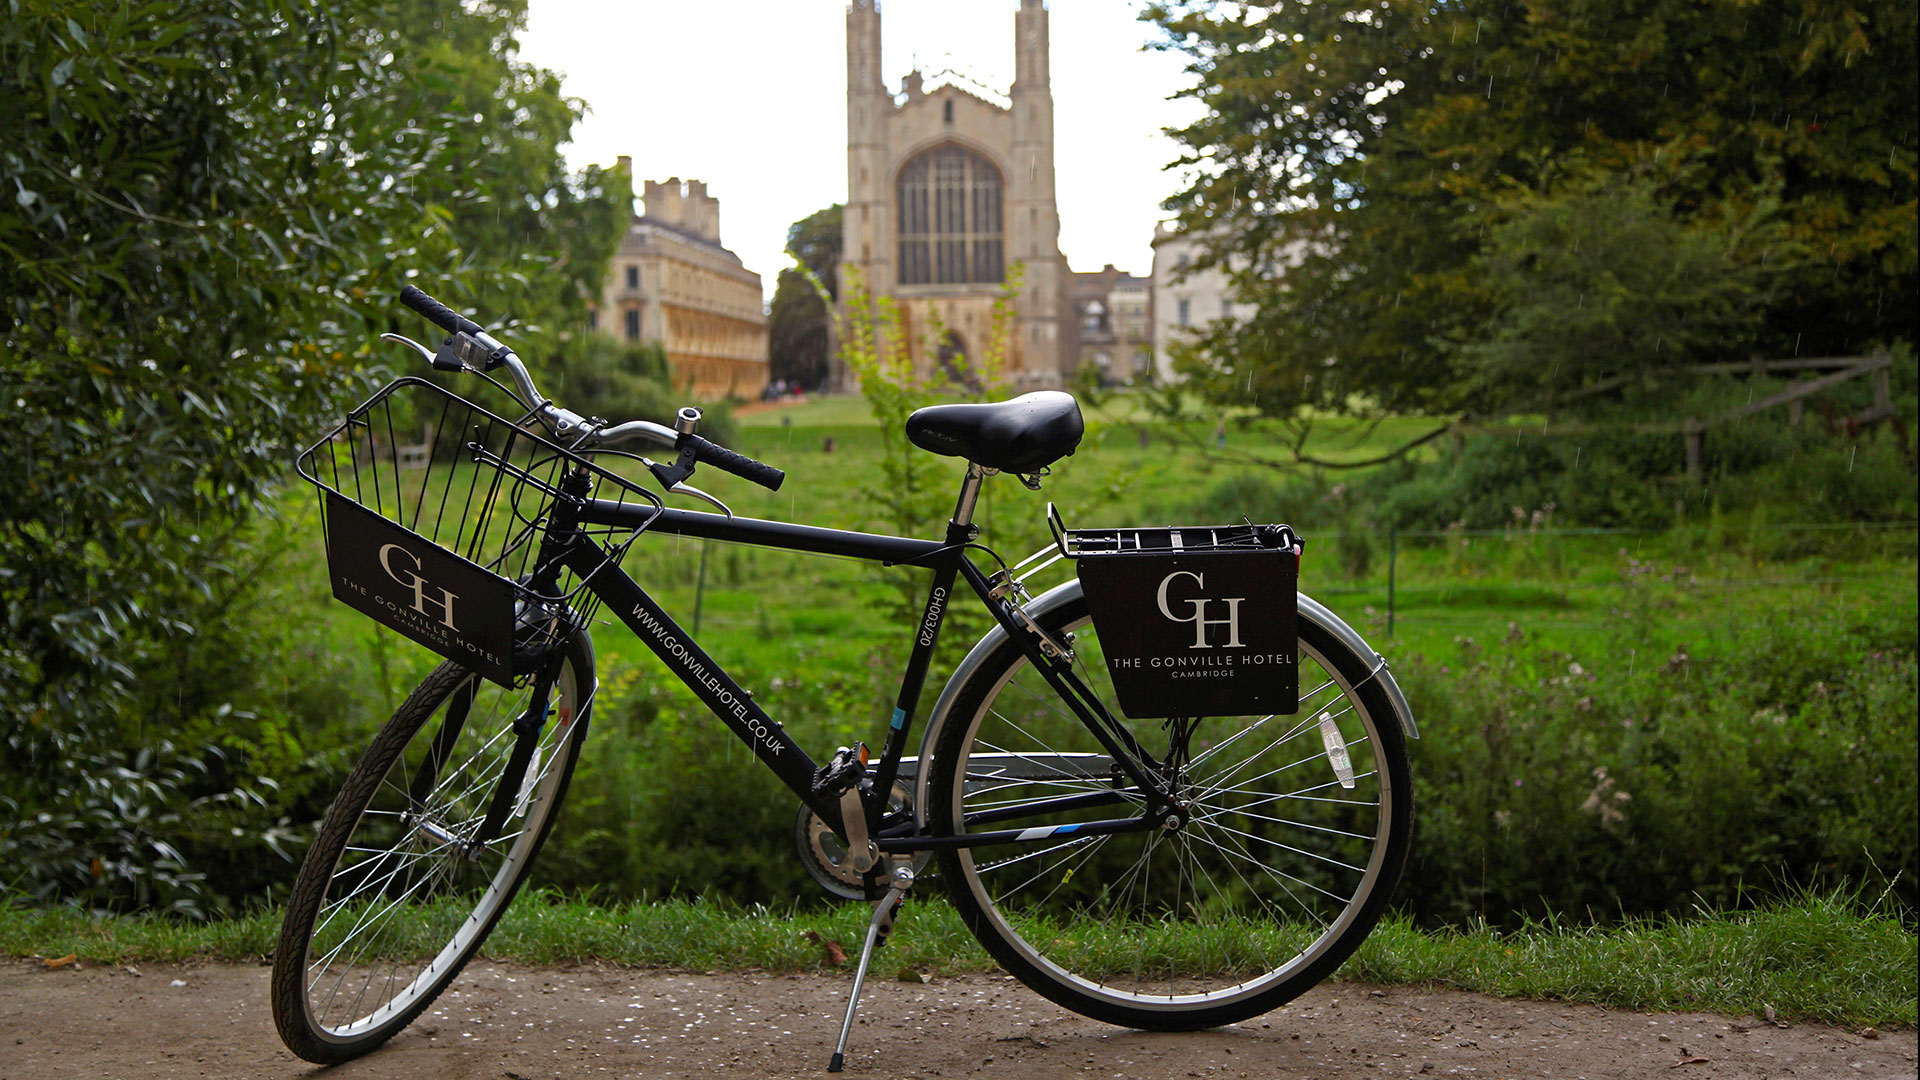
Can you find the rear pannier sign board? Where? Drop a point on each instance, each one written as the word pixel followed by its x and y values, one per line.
pixel 424 591
pixel 1197 634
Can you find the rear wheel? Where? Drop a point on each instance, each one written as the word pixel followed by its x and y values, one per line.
pixel 1296 832
pixel 390 904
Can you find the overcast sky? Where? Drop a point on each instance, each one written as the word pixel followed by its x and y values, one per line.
pixel 750 96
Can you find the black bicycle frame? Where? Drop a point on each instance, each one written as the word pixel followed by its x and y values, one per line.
pixel 736 708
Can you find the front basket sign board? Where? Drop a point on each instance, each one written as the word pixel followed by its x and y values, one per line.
pixel 1198 633
pixel 450 605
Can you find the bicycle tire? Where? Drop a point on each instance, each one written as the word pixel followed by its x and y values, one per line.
pixel 1247 910
pixel 411 891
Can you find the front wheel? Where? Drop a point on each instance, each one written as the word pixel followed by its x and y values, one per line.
pixel 1296 831
pixel 393 898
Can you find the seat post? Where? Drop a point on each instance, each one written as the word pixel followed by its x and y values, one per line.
pixel 969 493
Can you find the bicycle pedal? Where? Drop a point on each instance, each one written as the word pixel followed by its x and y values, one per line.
pixel 842 772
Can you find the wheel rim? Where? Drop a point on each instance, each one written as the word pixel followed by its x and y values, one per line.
pixel 1277 863
pixel 403 906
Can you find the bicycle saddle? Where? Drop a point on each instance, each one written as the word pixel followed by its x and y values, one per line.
pixel 1023 435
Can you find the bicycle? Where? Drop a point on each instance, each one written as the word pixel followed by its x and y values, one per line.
pixel 1116 850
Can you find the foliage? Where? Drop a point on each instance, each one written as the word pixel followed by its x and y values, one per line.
pixel 636 825
pixel 799 337
pixel 509 231
pixel 876 353
pixel 207 207
pixel 815 240
pixel 799 334
pixel 599 375
pixel 1598 285
pixel 1393 157
pixel 1609 476
pixel 1619 783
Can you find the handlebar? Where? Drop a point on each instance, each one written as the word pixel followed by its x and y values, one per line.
pixel 438 313
pixel 470 342
pixel 738 464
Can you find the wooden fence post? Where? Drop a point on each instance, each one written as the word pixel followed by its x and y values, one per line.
pixel 1692 428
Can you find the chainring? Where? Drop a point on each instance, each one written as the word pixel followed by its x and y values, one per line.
pixel 824 856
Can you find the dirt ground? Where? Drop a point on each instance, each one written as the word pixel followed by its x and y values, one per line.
pixel 508 1022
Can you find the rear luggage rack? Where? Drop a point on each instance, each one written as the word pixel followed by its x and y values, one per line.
pixel 1168 539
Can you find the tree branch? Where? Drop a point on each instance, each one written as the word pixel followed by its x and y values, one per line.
pixel 1302 458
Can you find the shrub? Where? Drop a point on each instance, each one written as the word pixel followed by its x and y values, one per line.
pixel 666 802
pixel 596 375
pixel 1776 760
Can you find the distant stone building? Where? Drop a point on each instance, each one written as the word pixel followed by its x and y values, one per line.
pixel 1184 302
pixel 673 283
pixel 946 191
pixel 1111 330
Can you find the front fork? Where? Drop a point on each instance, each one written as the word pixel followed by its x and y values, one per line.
pixel 555 543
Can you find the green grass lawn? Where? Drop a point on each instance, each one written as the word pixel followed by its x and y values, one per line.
pixel 770 615
pixel 814 411
pixel 1819 959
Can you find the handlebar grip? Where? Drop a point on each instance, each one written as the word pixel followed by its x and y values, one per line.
pixel 738 464
pixel 440 314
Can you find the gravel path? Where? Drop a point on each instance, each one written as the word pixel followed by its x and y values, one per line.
pixel 509 1022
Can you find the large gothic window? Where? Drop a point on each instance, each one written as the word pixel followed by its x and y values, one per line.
pixel 950 219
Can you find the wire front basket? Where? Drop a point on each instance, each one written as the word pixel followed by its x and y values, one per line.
pixel 481 489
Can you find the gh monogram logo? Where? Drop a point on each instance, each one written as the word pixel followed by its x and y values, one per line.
pixel 1199 617
pixel 418 584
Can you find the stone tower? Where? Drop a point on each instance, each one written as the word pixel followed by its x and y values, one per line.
pixel 948 189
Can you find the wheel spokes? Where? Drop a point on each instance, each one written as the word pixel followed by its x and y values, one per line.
pixel 1255 878
pixel 407 885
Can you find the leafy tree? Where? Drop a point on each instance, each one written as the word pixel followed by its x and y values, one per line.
pixel 207 208
pixel 1397 156
pixel 1598 287
pixel 508 229
pixel 798 332
pixel 815 240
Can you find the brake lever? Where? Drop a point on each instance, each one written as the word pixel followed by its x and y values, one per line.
pixel 688 489
pixel 673 478
pixel 425 353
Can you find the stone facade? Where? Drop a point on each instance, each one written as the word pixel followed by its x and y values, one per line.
pixel 947 190
pixel 1111 329
pixel 1184 301
pixel 673 283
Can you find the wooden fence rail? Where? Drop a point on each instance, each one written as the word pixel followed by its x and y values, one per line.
pixel 1842 369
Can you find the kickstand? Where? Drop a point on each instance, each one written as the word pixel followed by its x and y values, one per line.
pixel 877 930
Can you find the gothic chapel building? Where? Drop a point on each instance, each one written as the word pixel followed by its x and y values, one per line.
pixel 947 192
